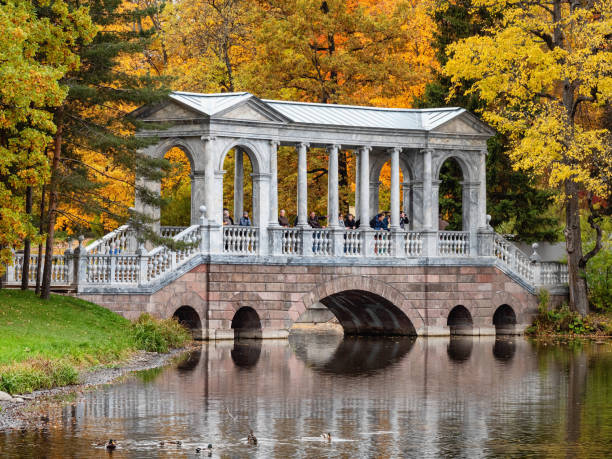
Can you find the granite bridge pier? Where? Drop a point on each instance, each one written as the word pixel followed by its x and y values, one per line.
pixel 260 280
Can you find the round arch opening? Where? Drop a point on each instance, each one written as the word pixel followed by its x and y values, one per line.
pixel 504 320
pixel 190 319
pixel 450 195
pixel 176 190
pixel 246 324
pixel 365 313
pixel 239 188
pixel 460 321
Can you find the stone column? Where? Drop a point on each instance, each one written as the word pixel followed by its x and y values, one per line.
pixel 470 205
pixel 417 206
pixel 364 194
pixel 261 204
pixel 482 195
pixel 198 184
pixel 209 180
pixel 435 204
pixel 395 188
pixel 332 187
pixel 273 211
pixel 217 209
pixel 357 183
pixel 374 204
pixel 238 183
pixel 302 191
pixel 152 212
pixel 406 201
pixel 427 189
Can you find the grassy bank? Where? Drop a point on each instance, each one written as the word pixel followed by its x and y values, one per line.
pixel 45 344
pixel 560 321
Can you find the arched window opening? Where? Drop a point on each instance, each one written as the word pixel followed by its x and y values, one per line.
pixel 189 318
pixel 176 190
pixel 450 198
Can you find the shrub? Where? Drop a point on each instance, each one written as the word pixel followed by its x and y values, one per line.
pixel 158 335
pixel 35 374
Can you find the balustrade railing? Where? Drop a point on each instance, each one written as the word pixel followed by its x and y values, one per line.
pixel 512 257
pixel 171 231
pixel 59 269
pixel 291 241
pixel 240 240
pixel 102 263
pixel 322 242
pixel 413 244
pixel 121 240
pixel 352 243
pixel 453 243
pixel 382 243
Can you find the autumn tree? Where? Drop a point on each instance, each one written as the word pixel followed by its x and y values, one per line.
pixel 93 128
pixel 544 71
pixel 35 54
pixel 516 203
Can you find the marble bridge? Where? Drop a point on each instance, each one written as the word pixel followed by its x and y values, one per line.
pixel 259 281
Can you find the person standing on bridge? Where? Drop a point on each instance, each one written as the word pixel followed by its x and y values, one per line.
pixel 282 219
pixel 245 220
pixel 227 220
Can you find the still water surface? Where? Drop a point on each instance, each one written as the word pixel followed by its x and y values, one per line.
pixel 383 398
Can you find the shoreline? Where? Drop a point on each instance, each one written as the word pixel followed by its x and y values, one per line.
pixel 26 414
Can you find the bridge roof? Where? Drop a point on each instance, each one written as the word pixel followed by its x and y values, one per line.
pixel 222 105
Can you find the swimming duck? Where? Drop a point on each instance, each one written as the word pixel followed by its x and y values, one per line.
pixel 111 445
pixel 178 443
pixel 198 450
pixel 326 436
pixel 251 439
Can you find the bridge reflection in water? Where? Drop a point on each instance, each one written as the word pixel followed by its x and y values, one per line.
pixel 387 397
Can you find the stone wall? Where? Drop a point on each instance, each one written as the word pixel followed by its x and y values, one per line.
pixel 281 294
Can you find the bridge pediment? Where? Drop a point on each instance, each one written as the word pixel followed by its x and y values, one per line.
pixel 462 123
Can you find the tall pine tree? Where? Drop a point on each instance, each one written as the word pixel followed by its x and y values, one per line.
pixel 92 123
pixel 515 203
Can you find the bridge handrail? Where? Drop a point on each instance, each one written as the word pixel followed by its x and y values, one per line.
pixel 241 240
pixel 162 259
pixel 454 243
pixel 60 269
pixel 513 258
pixel 171 231
pixel 120 237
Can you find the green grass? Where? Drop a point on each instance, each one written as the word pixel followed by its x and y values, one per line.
pixel 44 344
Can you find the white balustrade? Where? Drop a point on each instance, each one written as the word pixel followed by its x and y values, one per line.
pixel 453 243
pixel 322 242
pixel 241 240
pixel 18 268
pixel 512 257
pixel 382 245
pixel 352 243
pixel 552 273
pixel 125 269
pixel 171 231
pixel 291 241
pixel 413 244
pixel 120 240
pixel 162 260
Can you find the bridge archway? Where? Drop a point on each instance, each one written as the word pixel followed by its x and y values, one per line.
pixel 189 318
pixel 460 321
pixel 246 323
pixel 364 306
pixel 504 320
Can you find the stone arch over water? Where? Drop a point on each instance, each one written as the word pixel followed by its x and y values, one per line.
pixel 460 321
pixel 504 320
pixel 189 318
pixel 364 306
pixel 246 323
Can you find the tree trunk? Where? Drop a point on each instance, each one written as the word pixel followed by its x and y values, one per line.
pixel 25 273
pixel 577 281
pixel 41 229
pixel 57 149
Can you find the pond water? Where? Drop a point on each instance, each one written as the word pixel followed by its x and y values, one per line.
pixel 383 398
